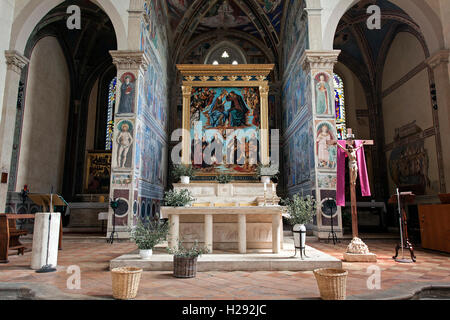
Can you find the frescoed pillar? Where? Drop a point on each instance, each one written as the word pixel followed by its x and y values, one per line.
pixel 131 66
pixel 319 66
pixel 15 63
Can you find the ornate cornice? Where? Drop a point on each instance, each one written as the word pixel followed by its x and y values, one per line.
pixel 440 57
pixel 15 61
pixel 130 60
pixel 319 59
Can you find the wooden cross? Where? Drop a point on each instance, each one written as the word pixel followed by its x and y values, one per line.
pixel 350 142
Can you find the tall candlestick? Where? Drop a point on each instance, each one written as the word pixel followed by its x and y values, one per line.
pixel 265 186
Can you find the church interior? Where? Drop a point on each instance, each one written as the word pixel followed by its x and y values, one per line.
pixel 103 100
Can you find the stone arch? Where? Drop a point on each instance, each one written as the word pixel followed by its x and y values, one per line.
pixel 34 11
pixel 419 11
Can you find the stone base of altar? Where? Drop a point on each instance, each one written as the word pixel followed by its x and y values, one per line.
pixel 225 231
pixel 254 260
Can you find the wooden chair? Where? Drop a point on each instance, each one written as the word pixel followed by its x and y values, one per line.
pixel 9 235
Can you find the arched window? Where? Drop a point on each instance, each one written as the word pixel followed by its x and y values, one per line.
pixel 340 107
pixel 225 53
pixel 110 114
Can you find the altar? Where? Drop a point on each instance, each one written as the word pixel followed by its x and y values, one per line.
pixel 230 216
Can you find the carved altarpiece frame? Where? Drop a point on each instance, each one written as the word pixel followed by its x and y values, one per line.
pixel 219 76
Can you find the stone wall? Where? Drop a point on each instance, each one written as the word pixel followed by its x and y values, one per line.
pixel 41 159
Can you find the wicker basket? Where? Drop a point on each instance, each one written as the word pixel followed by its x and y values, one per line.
pixel 184 267
pixel 332 283
pixel 125 282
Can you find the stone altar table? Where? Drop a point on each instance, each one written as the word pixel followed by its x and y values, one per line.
pixel 228 216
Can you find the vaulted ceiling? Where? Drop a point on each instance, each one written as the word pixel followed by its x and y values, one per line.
pixel 365 50
pixel 260 19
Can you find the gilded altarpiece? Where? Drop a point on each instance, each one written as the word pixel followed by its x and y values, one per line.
pixel 226 106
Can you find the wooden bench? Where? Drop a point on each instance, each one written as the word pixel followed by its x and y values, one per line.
pixel 10 235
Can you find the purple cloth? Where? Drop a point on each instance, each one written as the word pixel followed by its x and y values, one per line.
pixel 362 172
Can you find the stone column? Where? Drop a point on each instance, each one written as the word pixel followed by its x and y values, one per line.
pixel 264 96
pixel 131 66
pixel 186 137
pixel 440 68
pixel 242 233
pixel 318 66
pixel 15 63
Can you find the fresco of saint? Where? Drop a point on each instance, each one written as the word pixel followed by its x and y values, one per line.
pixel 324 98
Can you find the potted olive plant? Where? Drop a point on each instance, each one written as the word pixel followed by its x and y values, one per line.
pixel 147 234
pixel 185 260
pixel 301 211
pixel 183 172
pixel 178 198
pixel 266 172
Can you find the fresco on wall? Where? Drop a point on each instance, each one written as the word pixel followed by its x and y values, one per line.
pixel 294 95
pixel 225 14
pixel 302 155
pixel 127 93
pixel 326 153
pixel 409 161
pixel 229 119
pixel 124 144
pixel 295 32
pixel 151 148
pixel 152 106
pixel 327 181
pixel 324 95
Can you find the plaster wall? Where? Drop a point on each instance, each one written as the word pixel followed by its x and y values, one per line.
pixel 6 17
pixel 410 99
pixel 41 159
pixel 92 117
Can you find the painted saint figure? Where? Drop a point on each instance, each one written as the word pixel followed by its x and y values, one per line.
pixel 126 95
pixel 324 138
pixel 238 110
pixel 323 94
pixel 124 141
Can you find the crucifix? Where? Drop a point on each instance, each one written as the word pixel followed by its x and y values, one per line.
pixel 351 151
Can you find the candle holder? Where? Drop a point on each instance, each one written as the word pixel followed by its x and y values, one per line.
pixel 265 198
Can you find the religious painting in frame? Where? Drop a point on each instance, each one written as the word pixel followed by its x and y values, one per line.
pixel 98 172
pixel 225 107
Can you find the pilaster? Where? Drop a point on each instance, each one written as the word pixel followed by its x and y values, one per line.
pixel 15 63
pixel 319 65
pixel 131 66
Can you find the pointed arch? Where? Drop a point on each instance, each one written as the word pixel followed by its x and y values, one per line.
pixel 34 11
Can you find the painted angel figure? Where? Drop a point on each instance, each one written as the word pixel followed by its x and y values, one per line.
pixel 352 161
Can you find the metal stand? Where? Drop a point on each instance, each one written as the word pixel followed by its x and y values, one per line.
pixel 332 234
pixel 330 204
pixel 404 241
pixel 301 249
pixel 113 232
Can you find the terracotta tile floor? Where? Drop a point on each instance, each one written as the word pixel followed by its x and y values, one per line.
pixel 93 259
